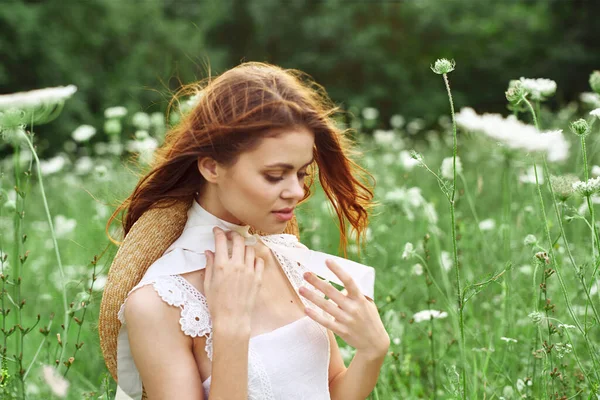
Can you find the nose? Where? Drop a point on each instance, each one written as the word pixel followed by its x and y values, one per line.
pixel 294 190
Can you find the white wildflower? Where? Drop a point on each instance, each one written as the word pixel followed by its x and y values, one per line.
pixel 508 392
pixel 540 88
pixel 566 326
pixel 537 317
pixel 427 315
pixel 406 161
pixel 115 112
pixel 529 239
pixel 446 261
pixel 141 120
pixel 83 165
pixel 487 224
pixel 415 126
pixel 370 113
pixel 508 340
pixel 520 385
pixel 57 383
pixel 63 226
pixel 590 98
pixel 37 98
pixel 384 138
pixel 448 167
pixel 515 134
pixel 430 213
pixel 53 165
pixel 529 176
pixel 417 269
pixel 595 112
pixel 588 187
pixel 595 170
pixel 83 133
pixel 526 269
pixel 397 121
pixel 409 251
pixel 562 349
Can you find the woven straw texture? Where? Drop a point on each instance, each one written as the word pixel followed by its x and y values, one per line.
pixel 145 243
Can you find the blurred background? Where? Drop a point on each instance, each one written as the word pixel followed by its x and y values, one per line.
pixel 365 53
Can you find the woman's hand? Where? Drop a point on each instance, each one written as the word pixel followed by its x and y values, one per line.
pixel 231 282
pixel 356 321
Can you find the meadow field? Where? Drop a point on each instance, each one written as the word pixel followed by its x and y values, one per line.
pixel 487 272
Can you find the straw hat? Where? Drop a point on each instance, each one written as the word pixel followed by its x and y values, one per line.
pixel 146 242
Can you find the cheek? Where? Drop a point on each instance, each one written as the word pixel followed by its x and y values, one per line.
pixel 254 194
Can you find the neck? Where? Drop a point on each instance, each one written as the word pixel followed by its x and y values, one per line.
pixel 210 202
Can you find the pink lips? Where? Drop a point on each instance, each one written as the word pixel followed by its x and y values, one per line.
pixel 284 215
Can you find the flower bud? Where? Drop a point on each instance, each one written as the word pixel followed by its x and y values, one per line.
pixel 515 93
pixel 112 127
pixel 595 81
pixel 443 66
pixel 580 127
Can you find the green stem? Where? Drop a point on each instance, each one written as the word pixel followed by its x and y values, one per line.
pixel 57 253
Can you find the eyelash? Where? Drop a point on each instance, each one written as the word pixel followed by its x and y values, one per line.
pixel 274 179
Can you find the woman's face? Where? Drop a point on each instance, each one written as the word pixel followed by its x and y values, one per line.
pixel 264 180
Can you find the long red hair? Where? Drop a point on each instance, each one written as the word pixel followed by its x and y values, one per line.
pixel 232 113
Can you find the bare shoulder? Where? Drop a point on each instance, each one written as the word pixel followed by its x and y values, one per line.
pixel 161 351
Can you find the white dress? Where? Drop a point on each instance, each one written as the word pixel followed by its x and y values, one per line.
pixel 290 362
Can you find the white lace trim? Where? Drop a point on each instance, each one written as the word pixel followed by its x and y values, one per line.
pixel 259 384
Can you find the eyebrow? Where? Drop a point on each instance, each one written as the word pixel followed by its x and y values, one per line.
pixel 288 166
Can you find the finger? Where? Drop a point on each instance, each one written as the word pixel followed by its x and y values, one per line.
pixel 239 248
pixel 326 288
pixel 250 255
pixel 349 284
pixel 327 305
pixel 220 246
pixel 259 267
pixel 210 258
pixel 328 323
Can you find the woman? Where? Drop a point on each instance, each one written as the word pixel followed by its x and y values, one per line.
pixel 230 315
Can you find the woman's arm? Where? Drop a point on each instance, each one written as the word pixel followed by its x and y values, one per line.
pixel 358 380
pixel 229 370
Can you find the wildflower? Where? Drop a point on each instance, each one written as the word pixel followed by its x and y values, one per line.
pixel 595 112
pixel 397 121
pixel 562 186
pixel 409 251
pixel 590 98
pixel 157 119
pixel 520 385
pixel 384 138
pixel 508 340
pixel 427 315
pixel 141 134
pixel 515 134
pixel 562 349
pixel 529 176
pixel 447 167
pixel 443 66
pixel 115 112
pixel 580 127
pixel 101 172
pixel 566 326
pixel 542 256
pixel 141 120
pixel 53 165
pixel 83 165
pixel 57 383
pixel 63 226
pixel 12 125
pixel 508 392
pixel 515 92
pixel 370 113
pixel 430 213
pixel 537 317
pixel 37 98
pixel 83 133
pixel 418 269
pixel 595 81
pixel 487 224
pixel 415 126
pixel 540 89
pixel 526 269
pixel 112 127
pixel 446 261
pixel 406 161
pixel 396 341
pixel 588 187
pixel 529 239
pixel 416 156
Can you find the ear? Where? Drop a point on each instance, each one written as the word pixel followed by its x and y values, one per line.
pixel 208 169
